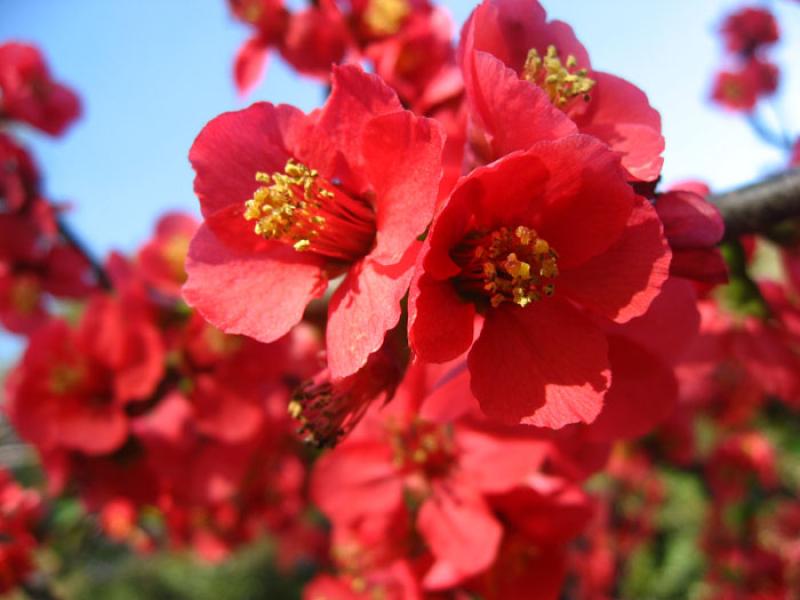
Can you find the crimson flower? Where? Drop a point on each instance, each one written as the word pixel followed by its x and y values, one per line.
pixel 529 79
pixel 19 177
pixel 72 387
pixel 291 201
pixel 693 227
pixel 749 29
pixel 531 243
pixel 20 511
pixel 161 260
pixel 739 90
pixel 29 94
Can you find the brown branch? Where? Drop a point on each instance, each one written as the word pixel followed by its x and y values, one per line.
pixel 100 274
pixel 759 207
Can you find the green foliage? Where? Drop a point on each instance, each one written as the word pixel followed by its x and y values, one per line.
pixel 250 575
pixel 671 562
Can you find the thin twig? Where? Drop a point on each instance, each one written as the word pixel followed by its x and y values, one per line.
pixel 71 237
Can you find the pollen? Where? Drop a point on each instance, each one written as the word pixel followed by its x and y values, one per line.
pixel 508 266
pixel 65 378
pixel 25 295
pixel 286 206
pixel 385 17
pixel 563 81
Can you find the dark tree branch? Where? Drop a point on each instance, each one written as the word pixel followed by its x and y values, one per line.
pixel 103 280
pixel 759 207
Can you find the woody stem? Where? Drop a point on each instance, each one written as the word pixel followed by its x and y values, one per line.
pixel 73 240
pixel 760 207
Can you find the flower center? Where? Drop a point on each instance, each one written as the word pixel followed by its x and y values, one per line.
pixel 174 253
pixel 65 379
pixel 25 294
pixel 422 446
pixel 507 266
pixel 298 207
pixel 385 17
pixel 562 81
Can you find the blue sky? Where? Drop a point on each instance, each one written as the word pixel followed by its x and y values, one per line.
pixel 153 72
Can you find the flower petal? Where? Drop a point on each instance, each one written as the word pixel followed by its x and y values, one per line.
pixel 363 309
pixel 404 166
pixel 545 365
pixel 258 294
pixel 622 282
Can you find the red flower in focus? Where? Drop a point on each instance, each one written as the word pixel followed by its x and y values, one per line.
pixel 740 90
pixel 29 94
pixel 534 243
pixel 749 29
pixel 161 260
pixel 549 91
pixel 291 201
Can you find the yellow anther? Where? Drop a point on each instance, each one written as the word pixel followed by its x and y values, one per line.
pixel 284 207
pixel 385 17
pixel 25 294
pixel 65 378
pixel 562 81
pixel 518 267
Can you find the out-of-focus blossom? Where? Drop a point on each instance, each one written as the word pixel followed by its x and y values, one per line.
pixel 20 512
pixel 28 93
pixel 749 29
pixel 740 89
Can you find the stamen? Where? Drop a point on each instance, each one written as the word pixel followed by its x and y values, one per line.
pixel 507 266
pixel 561 81
pixel 385 17
pixel 423 446
pixel 25 294
pixel 65 378
pixel 299 208
pixel 325 414
pixel 285 207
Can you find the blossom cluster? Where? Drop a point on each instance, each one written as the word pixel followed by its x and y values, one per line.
pixel 748 34
pixel 447 335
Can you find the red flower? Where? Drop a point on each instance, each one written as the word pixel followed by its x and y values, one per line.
pixel 161 260
pixel 740 90
pixel 35 263
pixel 527 243
pixel 27 92
pixel 19 178
pixel 291 201
pixel 20 511
pixel 749 29
pixel 550 78
pixel 270 19
pixel 72 387
pixel 457 485
pixel 693 227
pixel 419 61
pixel 315 39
